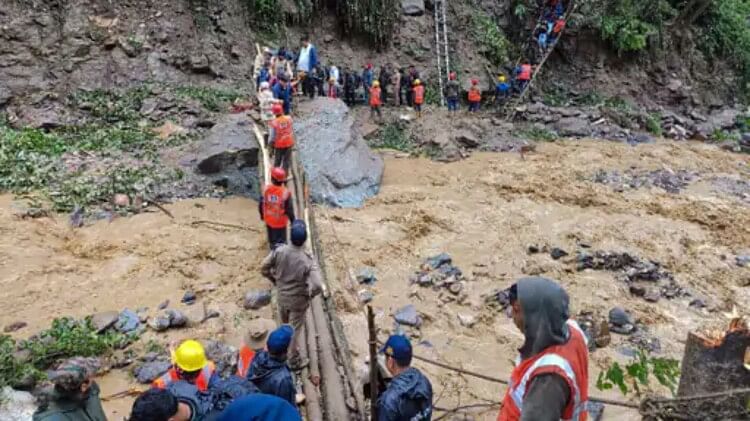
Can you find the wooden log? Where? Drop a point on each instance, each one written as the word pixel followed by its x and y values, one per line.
pixel 373 364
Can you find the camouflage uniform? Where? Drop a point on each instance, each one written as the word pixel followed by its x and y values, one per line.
pixel 65 403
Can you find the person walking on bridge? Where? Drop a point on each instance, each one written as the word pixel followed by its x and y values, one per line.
pixel 409 394
pixel 550 379
pixel 281 137
pixel 297 278
pixel 523 75
pixel 276 208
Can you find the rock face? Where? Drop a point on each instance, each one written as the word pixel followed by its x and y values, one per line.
pixel 412 7
pixel 229 156
pixel 16 405
pixel 339 165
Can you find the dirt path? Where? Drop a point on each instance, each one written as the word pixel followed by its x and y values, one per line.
pixel 486 210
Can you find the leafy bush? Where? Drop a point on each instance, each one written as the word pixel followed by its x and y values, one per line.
pixel 393 136
pixel 538 134
pixel 637 374
pixel 490 38
pixel 112 106
pixel 727 34
pixel 653 124
pixel 210 98
pixel 628 24
pixel 265 14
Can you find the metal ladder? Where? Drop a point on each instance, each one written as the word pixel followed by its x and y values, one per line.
pixel 441 45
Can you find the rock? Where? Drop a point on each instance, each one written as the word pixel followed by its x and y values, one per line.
pixel 229 154
pixel 595 410
pixel 698 303
pixel 189 297
pixel 195 315
pixel 467 138
pixel 435 262
pixel 149 105
pixel 637 290
pixel 365 296
pixel 603 338
pixel 645 341
pixel 455 288
pixel 324 130
pixel 742 260
pixel 105 320
pixel 533 249
pixel 412 7
pixel 127 47
pixel 366 276
pixel 408 316
pixel 618 316
pixel 674 85
pixel 16 405
pixel 151 371
pixel 127 321
pixel 17 325
pixel 256 299
pixel 328 38
pixel 652 295
pixel 177 318
pixel 161 322
pixel 164 304
pixel 557 253
pixel 573 127
pixel 623 330
pixel 223 355
pixel 199 63
pixel 467 320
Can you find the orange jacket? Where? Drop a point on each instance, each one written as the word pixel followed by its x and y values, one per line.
pixel 475 95
pixel 569 360
pixel 201 382
pixel 559 26
pixel 375 100
pixel 282 125
pixel 419 94
pixel 274 206
pixel 244 360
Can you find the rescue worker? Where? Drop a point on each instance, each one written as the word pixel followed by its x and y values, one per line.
pixel 418 92
pixel 281 137
pixel 523 75
pixel 375 101
pixel 550 379
pixel 557 30
pixel 161 405
pixel 269 371
pixel 260 407
pixel 254 342
pixel 297 279
pixel 75 395
pixel 502 89
pixel 189 363
pixel 368 77
pixel 409 394
pixel 451 92
pixel 474 96
pixel 276 208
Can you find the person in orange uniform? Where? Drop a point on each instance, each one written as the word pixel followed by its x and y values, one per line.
pixel 276 208
pixel 551 377
pixel 254 342
pixel 375 100
pixel 475 96
pixel 418 92
pixel 281 137
pixel 523 75
pixel 189 364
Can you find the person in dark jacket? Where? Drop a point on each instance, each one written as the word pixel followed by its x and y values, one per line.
pixel 75 396
pixel 406 85
pixel 409 394
pixel 351 82
pixel 161 405
pixel 283 91
pixel 385 82
pixel 260 407
pixel 269 370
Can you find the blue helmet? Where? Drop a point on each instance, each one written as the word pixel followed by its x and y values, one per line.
pixel 299 232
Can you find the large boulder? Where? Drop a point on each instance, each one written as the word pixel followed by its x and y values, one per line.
pixel 339 165
pixel 412 7
pixel 573 127
pixel 228 156
pixel 16 405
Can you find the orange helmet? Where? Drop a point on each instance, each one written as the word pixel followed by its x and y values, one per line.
pixel 475 81
pixel 277 109
pixel 278 174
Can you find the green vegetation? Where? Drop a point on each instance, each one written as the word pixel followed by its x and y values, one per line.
pixel 591 99
pixel 66 338
pixel 112 106
pixel 393 136
pixel 375 20
pixel 638 373
pixel 490 38
pixel 727 34
pixel 653 124
pixel 618 103
pixel 265 15
pixel 539 134
pixel 210 98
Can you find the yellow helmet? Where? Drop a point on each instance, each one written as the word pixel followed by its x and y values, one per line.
pixel 376 83
pixel 501 78
pixel 190 356
pixel 417 81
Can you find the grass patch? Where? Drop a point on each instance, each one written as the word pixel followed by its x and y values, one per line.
pixel 538 134
pixel 653 124
pixel 64 339
pixel 590 99
pixel 211 98
pixel 112 106
pixel 393 136
pixel 618 103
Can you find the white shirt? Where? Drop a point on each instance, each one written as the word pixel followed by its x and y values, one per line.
pixel 303 62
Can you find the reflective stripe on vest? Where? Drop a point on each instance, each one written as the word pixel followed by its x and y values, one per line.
pixel 419 94
pixel 244 360
pixel 201 382
pixel 274 206
pixel 475 95
pixel 282 125
pixel 554 360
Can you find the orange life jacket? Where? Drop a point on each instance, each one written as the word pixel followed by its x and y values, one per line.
pixel 569 360
pixel 475 95
pixel 274 206
pixel 201 382
pixel 375 100
pixel 244 360
pixel 419 94
pixel 284 132
pixel 525 72
pixel 559 25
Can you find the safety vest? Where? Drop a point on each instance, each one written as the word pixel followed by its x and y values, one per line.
pixel 569 360
pixel 284 132
pixel 559 25
pixel 375 100
pixel 274 206
pixel 474 94
pixel 419 94
pixel 525 72
pixel 201 382
pixel 244 360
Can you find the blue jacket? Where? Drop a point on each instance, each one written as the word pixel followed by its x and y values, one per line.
pixel 260 407
pixel 367 77
pixel 285 95
pixel 272 377
pixel 263 76
pixel 408 398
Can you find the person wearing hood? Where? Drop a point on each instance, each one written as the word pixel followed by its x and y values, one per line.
pixel 75 396
pixel 269 371
pixel 297 279
pixel 260 407
pixel 550 379
pixel 409 394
